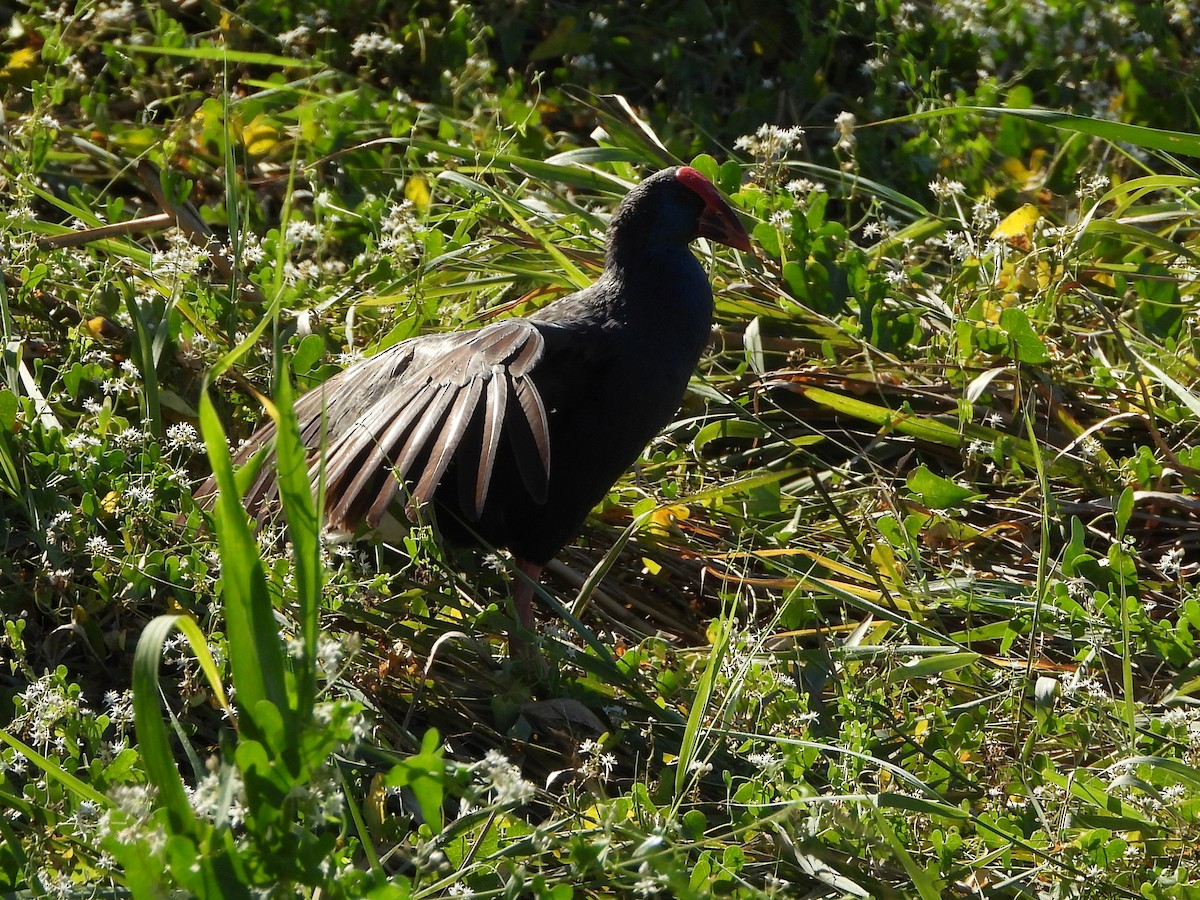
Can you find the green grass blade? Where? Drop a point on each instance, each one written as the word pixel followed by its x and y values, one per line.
pixel 54 770
pixel 143 342
pixel 304 529
pixel 1184 395
pixel 224 55
pixel 255 654
pixel 577 277
pixel 1141 236
pixel 153 740
pixel 204 658
pixel 925 886
pixel 700 706
pixel 1118 132
pixel 1179 142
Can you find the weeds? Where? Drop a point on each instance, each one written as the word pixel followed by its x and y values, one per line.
pixel 902 603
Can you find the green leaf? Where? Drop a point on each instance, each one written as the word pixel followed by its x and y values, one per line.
pixel 1045 689
pixel 1029 347
pixel 304 529
pixel 707 166
pixel 223 54
pixel 307 354
pixel 730 178
pixel 927 889
pixel 1124 510
pixel 1175 770
pixel 937 492
pixel 81 789
pixel 1139 236
pixel 921 805
pixel 424 773
pixel 1177 142
pixel 766 236
pixel 935 664
pixel 8 410
pixel 726 429
pixel 752 343
pixel 1186 397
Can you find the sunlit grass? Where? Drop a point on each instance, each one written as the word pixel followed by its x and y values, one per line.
pixel 902 603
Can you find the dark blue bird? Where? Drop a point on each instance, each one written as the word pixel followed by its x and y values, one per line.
pixel 513 432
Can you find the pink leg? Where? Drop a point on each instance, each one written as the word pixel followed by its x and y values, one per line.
pixel 523 587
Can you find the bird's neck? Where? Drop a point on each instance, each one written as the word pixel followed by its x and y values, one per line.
pixel 660 286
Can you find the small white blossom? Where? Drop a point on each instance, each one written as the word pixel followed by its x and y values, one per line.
pixel 301 232
pixel 1172 561
pixel 294 39
pixel 770 142
pixel 504 779
pixel 844 125
pixel 943 188
pixel 375 45
pixel 183 435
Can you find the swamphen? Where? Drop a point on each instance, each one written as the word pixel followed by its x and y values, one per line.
pixel 513 432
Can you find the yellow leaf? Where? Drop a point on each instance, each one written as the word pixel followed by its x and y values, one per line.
pixel 921 731
pixel 652 567
pixel 1031 176
pixel 416 189
pixel 991 309
pixel 375 806
pixel 110 502
pixel 260 137
pixel 1018 224
pixel 888 563
pixel 21 67
pixel 104 329
pixel 662 520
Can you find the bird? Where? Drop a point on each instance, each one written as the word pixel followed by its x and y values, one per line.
pixel 511 433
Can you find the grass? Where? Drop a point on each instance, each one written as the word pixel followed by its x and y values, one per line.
pixel 902 604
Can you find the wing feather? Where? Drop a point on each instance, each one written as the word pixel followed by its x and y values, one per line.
pixel 493 421
pixel 447 443
pixel 537 428
pixel 414 447
pixel 366 455
pixel 404 416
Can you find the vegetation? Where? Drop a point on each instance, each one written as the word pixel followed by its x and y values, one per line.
pixel 903 604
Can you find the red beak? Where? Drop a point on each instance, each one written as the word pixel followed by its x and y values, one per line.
pixel 720 223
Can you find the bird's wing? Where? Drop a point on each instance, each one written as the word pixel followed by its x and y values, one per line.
pixel 397 420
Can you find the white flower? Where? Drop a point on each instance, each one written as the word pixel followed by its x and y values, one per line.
pixel 183 435
pixel 294 39
pixel 503 779
pixel 141 495
pixel 375 45
pixel 80 443
pixel 770 142
pixel 943 188
pixel 844 124
pixel 301 232
pixel 1172 561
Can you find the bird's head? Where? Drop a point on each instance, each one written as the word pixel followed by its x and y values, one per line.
pixel 674 207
